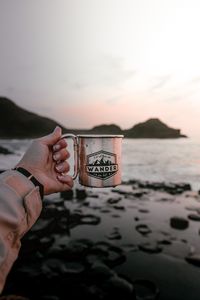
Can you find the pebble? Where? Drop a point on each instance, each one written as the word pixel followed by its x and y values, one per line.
pixel 146 289
pixel 143 229
pixel 150 247
pixel 114 235
pixel 194 217
pixel 193 259
pixel 179 223
pixel 67 195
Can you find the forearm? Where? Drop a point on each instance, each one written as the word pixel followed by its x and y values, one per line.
pixel 20 206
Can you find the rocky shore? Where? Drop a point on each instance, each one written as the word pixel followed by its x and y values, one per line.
pixel 136 241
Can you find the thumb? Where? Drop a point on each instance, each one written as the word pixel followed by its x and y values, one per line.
pixel 53 137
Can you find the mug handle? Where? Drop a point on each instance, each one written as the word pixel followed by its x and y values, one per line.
pixel 75 142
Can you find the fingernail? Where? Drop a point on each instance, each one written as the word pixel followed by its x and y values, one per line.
pixel 56 156
pixel 56 147
pixel 59 167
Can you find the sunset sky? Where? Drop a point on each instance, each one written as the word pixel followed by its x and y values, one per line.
pixel 87 62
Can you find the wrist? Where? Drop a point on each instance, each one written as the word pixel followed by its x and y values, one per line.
pixel 31 177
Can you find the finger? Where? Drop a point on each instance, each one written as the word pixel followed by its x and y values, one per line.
pixel 53 137
pixel 63 154
pixel 67 180
pixel 62 167
pixel 59 145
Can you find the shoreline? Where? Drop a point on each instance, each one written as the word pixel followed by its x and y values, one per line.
pixel 139 237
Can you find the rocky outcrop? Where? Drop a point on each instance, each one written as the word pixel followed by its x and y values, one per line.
pixel 153 128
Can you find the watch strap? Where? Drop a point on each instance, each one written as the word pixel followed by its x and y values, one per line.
pixel 32 179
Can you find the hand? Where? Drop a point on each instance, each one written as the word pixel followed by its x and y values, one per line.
pixel 46 160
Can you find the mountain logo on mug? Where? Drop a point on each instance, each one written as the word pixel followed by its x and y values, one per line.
pixel 101 164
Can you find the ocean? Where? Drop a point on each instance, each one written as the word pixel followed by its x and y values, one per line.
pixel 143 159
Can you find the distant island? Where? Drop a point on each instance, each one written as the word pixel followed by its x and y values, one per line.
pixel 16 122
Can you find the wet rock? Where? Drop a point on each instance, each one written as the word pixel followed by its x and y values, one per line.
pixel 151 247
pixel 130 247
pixel 146 289
pixel 165 242
pixel 143 210
pixel 171 188
pixel 30 243
pixel 57 201
pixel 114 235
pixel 194 217
pixel 5 151
pixel 179 223
pixel 90 219
pixel 143 229
pixel 81 194
pixel 116 216
pixel 119 287
pixel 193 208
pixel 73 267
pixel 107 253
pixel 42 226
pixel 119 207
pixel 166 200
pixel 70 249
pixel 119 191
pixel 105 210
pixel 46 242
pixel 114 200
pixel 79 218
pixel 49 211
pixel 193 259
pixel 53 267
pixel 13 297
pixel 67 195
pixel 49 297
pixel 100 271
pixel 139 194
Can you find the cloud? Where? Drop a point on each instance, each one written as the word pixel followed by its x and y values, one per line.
pixel 161 82
pixel 113 100
pixel 103 70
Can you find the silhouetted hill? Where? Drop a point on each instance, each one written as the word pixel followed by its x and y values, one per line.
pixel 153 128
pixel 106 129
pixel 16 122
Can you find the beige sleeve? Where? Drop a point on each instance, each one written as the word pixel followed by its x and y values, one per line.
pixel 20 206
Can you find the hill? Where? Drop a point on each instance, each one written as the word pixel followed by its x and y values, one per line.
pixel 153 128
pixel 16 122
pixel 107 129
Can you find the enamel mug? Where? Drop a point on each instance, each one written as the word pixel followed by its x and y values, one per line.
pixel 97 159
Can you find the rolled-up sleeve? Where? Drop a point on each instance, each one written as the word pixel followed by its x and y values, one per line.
pixel 20 206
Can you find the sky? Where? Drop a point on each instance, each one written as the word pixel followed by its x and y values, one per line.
pixel 88 62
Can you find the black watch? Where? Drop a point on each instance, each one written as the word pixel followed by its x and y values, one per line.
pixel 32 179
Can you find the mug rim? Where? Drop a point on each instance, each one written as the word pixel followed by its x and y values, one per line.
pixel 100 135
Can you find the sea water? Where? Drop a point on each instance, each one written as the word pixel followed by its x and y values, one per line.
pixel 171 160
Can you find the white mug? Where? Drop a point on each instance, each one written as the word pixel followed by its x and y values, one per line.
pixel 97 159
